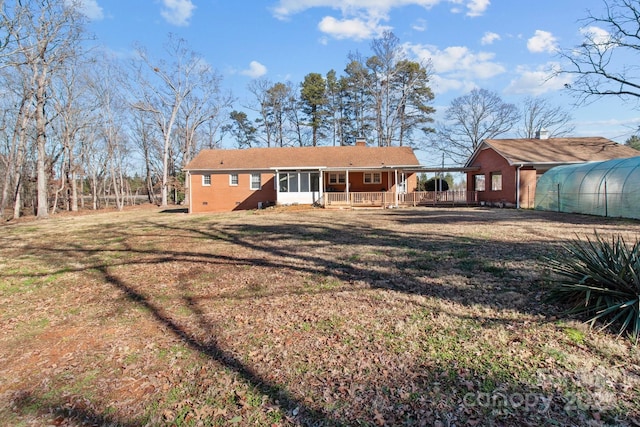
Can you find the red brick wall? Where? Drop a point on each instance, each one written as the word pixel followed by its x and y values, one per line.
pixel 489 161
pixel 222 197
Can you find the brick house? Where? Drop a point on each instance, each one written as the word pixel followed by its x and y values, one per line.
pixel 504 172
pixel 227 180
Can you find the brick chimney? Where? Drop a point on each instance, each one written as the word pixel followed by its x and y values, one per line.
pixel 361 142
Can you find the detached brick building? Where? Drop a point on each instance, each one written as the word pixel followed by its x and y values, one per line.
pixel 504 172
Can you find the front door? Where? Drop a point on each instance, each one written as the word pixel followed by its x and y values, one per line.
pixel 402 185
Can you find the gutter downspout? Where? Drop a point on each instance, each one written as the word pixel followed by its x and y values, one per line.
pixel 518 186
pixel 276 184
pixel 190 193
pixel 321 188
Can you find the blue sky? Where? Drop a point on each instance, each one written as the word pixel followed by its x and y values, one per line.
pixel 507 46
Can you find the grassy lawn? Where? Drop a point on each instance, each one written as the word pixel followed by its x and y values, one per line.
pixel 303 317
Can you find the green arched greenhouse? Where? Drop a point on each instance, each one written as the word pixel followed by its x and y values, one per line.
pixel 609 188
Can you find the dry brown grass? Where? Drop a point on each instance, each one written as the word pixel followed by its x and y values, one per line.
pixel 312 317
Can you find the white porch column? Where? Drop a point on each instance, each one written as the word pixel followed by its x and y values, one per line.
pixel 395 171
pixel 346 185
pixel 321 188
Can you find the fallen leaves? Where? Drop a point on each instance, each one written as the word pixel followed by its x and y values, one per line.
pixel 384 318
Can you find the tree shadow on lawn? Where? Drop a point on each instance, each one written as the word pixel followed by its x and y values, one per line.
pixel 395 260
pixel 477 215
pixel 71 411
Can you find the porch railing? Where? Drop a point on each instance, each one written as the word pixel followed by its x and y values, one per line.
pixel 387 198
pixel 434 198
pixel 375 198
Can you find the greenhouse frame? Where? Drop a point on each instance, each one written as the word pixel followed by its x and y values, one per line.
pixel 608 188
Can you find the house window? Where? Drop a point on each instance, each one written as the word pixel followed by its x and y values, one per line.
pixel 478 182
pixel 337 178
pixel 496 181
pixel 314 177
pixel 304 182
pixel 233 179
pixel 255 181
pixel 288 182
pixel 293 182
pixel 206 180
pixel 372 177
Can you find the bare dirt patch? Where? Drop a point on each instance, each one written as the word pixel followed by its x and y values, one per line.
pixel 311 317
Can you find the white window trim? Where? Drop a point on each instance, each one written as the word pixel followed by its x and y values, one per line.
pixel 496 174
pixel 475 182
pixel 334 178
pixel 204 184
pixel 231 175
pixel 251 186
pixel 372 176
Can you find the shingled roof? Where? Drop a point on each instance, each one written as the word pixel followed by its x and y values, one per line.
pixel 303 157
pixel 555 150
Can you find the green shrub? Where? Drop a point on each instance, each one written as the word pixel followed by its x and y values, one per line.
pixel 600 280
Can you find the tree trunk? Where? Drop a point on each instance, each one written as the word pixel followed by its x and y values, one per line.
pixel 17 200
pixel 5 187
pixel 94 192
pixel 41 140
pixel 74 192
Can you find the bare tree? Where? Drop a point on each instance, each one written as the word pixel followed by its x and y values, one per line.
pixel 74 112
pixel 259 88
pixel 538 113
pixel 602 65
pixel 387 54
pixel 207 103
pixel 15 132
pixel 45 35
pixel 164 88
pixel 146 138
pixel 472 118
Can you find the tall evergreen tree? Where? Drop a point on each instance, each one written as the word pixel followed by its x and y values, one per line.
pixel 314 103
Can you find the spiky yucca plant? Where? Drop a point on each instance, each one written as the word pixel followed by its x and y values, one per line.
pixel 600 279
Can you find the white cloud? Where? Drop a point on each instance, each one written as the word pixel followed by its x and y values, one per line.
pixel 255 70
pixel 542 41
pixel 350 28
pixel 89 8
pixel 538 81
pixel 441 85
pixel 457 67
pixel 477 7
pixel 177 12
pixel 459 61
pixel 420 25
pixel 489 38
pixel 596 35
pixel 361 17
